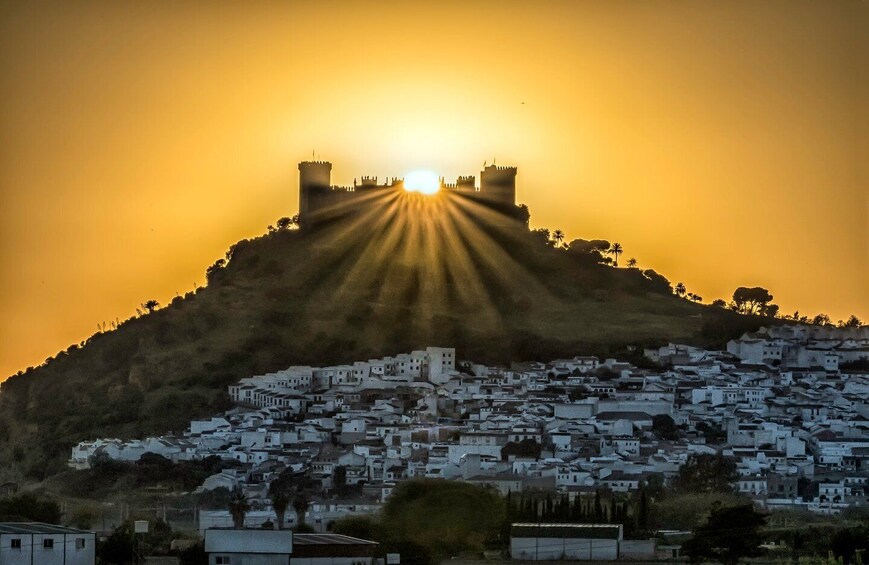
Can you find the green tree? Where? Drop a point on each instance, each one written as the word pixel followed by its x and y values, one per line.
pixel 705 473
pixel 728 535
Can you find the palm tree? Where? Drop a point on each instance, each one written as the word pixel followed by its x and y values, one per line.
pixel 151 305
pixel 558 237
pixel 632 263
pixel 615 250
pixel 680 289
pixel 280 502
pixel 238 507
pixel 301 505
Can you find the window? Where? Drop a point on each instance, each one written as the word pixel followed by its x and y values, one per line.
pixel 79 543
pixel 16 543
pixel 222 560
pixel 48 543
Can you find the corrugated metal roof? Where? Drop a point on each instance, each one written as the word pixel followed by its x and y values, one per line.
pixel 37 528
pixel 594 531
pixel 329 539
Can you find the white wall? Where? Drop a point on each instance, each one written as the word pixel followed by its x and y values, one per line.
pixel 547 549
pixel 63 543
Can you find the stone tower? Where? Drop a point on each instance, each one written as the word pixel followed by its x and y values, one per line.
pixel 498 184
pixel 315 179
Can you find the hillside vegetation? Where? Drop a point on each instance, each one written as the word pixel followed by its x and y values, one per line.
pixel 398 277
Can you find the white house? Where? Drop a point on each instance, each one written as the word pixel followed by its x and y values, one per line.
pixel 29 543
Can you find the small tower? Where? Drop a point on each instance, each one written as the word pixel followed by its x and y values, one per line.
pixel 498 184
pixel 466 184
pixel 315 178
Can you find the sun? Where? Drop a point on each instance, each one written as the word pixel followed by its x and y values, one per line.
pixel 425 182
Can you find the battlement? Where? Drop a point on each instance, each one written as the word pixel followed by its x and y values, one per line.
pixel 320 200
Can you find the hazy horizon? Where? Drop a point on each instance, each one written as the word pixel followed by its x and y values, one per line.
pixel 721 144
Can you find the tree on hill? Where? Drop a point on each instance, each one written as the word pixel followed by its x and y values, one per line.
pixel 751 300
pixel 853 322
pixel 769 310
pixel 150 305
pixel 659 281
pixel 705 473
pixel 679 289
pixel 615 250
pixel 729 534
pixel 719 303
pixel 821 320
pixel 591 252
pixel 558 237
pixel 632 263
pixel 543 235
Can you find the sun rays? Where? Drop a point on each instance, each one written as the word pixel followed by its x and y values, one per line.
pixel 419 260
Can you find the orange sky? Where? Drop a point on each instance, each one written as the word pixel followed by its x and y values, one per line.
pixel 719 142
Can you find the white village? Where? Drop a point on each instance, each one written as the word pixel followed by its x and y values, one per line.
pixel 780 402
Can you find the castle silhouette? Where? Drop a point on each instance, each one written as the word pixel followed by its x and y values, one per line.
pixel 320 201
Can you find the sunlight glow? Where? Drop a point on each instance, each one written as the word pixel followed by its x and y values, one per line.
pixel 425 182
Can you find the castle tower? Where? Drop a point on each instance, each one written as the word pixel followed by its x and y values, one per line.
pixel 315 177
pixel 498 184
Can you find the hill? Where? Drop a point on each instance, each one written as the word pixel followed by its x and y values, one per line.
pixel 411 272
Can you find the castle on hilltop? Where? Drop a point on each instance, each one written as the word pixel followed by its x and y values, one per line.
pixel 319 200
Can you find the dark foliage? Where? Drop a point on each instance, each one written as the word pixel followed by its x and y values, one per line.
pixel 29 507
pixel 664 427
pixel 728 535
pixel 524 448
pixel 706 473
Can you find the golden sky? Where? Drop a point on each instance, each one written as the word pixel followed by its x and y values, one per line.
pixel 721 143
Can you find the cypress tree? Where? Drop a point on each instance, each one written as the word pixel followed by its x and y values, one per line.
pixel 643 511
